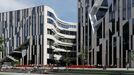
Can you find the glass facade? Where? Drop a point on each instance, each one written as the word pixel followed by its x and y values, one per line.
pixel 111 43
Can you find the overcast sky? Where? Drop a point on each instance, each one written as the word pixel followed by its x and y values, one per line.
pixel 65 9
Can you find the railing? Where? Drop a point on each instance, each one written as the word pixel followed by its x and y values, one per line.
pixel 81 66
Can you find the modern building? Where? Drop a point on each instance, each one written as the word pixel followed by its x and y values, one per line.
pixel 105 32
pixel 37 36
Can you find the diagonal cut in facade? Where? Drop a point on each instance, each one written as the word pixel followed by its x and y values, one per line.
pixel 105 33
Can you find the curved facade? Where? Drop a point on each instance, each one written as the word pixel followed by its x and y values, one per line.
pixel 37 36
pixel 61 37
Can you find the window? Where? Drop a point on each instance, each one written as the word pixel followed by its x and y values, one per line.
pixel 66 40
pixel 104 3
pixel 66 26
pixel 67 32
pixel 41 28
pixel 114 42
pixel 132 3
pixel 133 25
pixel 18 15
pixel 50 42
pixel 99 34
pixel 118 25
pixel 110 13
pixel 33 11
pixel 33 25
pixel 124 10
pixel 49 50
pixel 129 9
pixel 50 21
pixel 10 17
pixel 41 24
pixel 50 32
pixel 50 14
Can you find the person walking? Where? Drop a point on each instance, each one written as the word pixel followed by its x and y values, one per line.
pixel 104 67
pixel 127 66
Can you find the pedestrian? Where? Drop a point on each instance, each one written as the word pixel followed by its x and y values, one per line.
pixel 104 67
pixel 127 66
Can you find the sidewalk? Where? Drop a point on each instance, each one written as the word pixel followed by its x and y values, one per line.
pixel 10 73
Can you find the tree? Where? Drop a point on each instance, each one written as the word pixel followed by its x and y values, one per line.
pixel 1 42
pixel 1 48
pixel 132 55
pixel 131 59
pixel 15 63
pixel 83 55
pixel 66 59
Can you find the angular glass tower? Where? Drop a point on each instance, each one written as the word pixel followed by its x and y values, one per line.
pixel 105 32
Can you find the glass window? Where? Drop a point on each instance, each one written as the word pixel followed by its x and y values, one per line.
pixel 66 26
pixel 50 42
pixel 41 24
pixel 33 11
pixel 41 28
pixel 50 21
pixel 133 25
pixel 50 14
pixel 18 15
pixel 124 10
pixel 33 25
pixel 104 3
pixel 133 3
pixel 49 50
pixel 50 32
pixel 129 9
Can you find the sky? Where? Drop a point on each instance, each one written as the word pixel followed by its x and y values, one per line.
pixel 65 9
